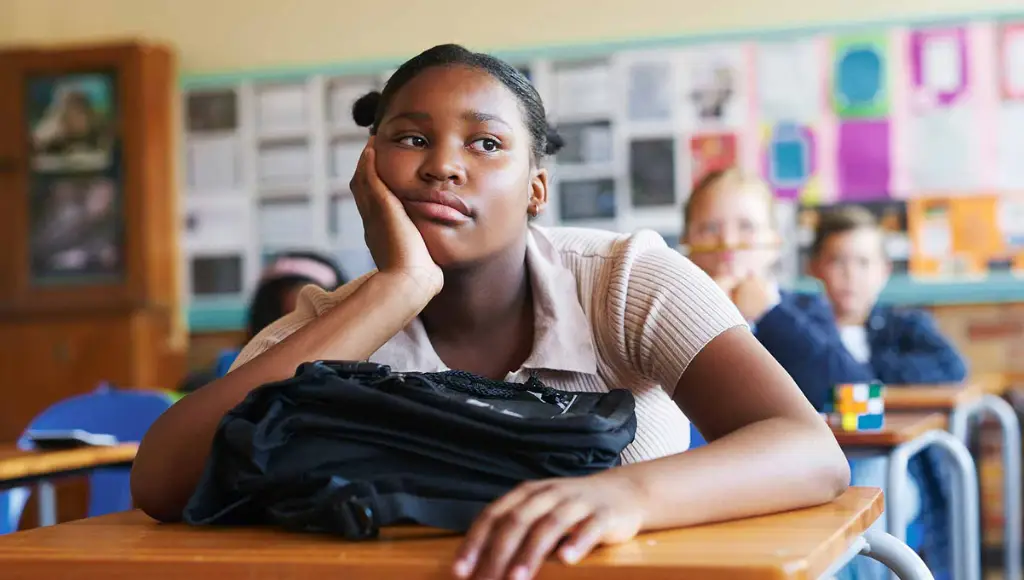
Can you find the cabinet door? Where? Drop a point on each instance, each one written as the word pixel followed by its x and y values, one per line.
pixel 86 167
pixel 42 362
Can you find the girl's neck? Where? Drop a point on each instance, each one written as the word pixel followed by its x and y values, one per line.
pixel 851 318
pixel 485 296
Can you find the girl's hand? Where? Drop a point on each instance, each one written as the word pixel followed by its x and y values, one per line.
pixel 515 534
pixel 394 242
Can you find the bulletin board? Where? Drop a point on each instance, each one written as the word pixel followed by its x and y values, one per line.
pixel 921 123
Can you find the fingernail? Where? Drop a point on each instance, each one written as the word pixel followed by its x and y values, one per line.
pixel 570 555
pixel 463 568
pixel 520 573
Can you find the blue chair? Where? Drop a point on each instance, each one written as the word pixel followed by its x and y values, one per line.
pixel 125 414
pixel 225 360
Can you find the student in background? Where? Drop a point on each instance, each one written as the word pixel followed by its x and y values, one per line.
pixel 899 346
pixel 276 295
pixel 730 233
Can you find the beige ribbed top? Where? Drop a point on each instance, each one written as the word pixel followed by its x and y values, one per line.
pixel 612 311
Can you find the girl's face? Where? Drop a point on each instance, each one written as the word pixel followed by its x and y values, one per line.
pixel 456 135
pixel 730 232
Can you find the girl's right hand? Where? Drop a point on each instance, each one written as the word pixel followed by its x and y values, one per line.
pixel 394 242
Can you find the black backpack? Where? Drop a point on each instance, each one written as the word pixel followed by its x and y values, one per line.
pixel 347 447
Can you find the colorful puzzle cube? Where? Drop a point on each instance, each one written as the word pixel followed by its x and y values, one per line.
pixel 858 407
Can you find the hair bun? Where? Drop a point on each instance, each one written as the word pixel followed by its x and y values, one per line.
pixel 364 110
pixel 554 142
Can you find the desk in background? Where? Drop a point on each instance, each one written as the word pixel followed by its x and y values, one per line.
pixel 965 404
pixel 19 467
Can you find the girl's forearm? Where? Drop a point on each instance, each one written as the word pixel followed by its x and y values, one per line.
pixel 771 466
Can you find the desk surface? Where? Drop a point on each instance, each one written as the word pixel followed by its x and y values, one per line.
pixel 799 545
pixel 16 464
pixel 945 397
pixel 897 428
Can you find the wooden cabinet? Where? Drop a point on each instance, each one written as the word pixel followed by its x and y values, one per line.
pixel 88 249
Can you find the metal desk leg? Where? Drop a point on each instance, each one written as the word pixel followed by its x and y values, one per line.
pixel 967 537
pixel 959 426
pixel 47 503
pixel 896 555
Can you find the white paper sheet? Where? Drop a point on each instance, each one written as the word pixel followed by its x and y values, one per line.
pixel 212 164
pixel 789 81
pixel 936 236
pixel 281 107
pixel 286 223
pixel 1010 143
pixel 347 224
pixel 942 155
pixel 1013 61
pixel 284 163
pixel 650 91
pixel 582 91
pixel 216 226
pixel 714 84
pixel 342 95
pixel 1011 220
pixel 345 158
pixel 941 66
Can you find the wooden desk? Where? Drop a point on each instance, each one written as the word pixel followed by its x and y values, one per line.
pixel 944 397
pixel 798 545
pixel 18 467
pixel 898 428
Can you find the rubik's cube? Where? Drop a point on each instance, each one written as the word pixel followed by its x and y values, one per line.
pixel 858 407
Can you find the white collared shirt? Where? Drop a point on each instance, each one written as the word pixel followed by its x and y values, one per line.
pixel 611 311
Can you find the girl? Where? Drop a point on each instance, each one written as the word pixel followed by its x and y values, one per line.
pixel 446 185
pixel 730 233
pixel 276 295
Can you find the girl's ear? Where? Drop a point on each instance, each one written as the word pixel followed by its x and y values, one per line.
pixel 538 191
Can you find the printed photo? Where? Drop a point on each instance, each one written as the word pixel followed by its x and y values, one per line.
pixel 76 232
pixel 71 122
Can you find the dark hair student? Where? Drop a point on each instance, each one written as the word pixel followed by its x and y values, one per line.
pixel 451 175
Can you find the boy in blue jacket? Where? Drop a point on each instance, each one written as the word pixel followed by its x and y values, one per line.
pixel 730 233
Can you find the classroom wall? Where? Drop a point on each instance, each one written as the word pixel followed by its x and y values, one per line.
pixel 233 35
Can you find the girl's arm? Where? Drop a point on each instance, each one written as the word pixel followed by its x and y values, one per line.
pixel 174 451
pixel 769 451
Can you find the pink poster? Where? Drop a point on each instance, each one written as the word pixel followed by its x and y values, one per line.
pixel 1011 61
pixel 939 65
pixel 864 153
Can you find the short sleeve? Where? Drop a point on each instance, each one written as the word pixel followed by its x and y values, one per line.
pixel 312 303
pixel 663 309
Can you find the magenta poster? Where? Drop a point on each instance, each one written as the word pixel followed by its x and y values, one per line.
pixel 939 66
pixel 864 153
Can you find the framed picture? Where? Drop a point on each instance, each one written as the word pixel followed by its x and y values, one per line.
pixel 216 275
pixel 72 122
pixel 76 231
pixel 212 111
pixel 585 143
pixel 652 172
pixel 586 200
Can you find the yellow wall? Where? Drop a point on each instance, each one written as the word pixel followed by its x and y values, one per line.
pixel 234 35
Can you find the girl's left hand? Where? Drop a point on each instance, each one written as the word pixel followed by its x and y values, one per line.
pixel 514 535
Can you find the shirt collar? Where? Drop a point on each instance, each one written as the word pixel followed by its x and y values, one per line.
pixel 562 334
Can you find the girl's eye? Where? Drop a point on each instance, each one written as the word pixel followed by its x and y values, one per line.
pixel 413 141
pixel 486 145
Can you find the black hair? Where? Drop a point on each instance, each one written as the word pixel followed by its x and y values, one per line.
pixel 370 109
pixel 266 304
